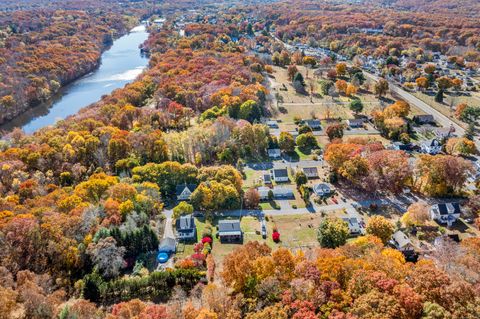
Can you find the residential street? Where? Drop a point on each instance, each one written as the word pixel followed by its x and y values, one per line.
pixel 439 117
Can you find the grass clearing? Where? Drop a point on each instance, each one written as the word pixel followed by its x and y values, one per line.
pixel 295 231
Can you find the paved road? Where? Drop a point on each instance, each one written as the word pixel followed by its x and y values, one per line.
pixel 441 119
pixel 349 206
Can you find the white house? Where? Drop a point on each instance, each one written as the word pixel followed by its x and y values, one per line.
pixel 280 175
pixel 402 242
pixel 277 192
pixel 446 213
pixel 184 192
pixel 431 147
pixel 310 172
pixel 263 192
pixel 272 124
pixel 283 193
pixel 355 123
pixel 322 189
pixel 353 225
pixel 274 153
pixel 186 228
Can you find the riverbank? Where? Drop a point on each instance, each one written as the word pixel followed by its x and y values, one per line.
pixel 118 65
pixel 56 66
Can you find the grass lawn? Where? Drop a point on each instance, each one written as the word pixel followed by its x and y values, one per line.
pixel 295 230
pixel 269 206
pixel 252 177
pixel 301 155
pixel 447 108
pixel 302 106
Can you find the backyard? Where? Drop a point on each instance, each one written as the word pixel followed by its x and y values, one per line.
pixel 296 231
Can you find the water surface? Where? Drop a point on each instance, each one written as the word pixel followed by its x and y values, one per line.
pixel 120 64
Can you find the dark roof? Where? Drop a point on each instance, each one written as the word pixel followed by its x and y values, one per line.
pixel 313 122
pixel 185 223
pixel 167 245
pixel 442 208
pixel 425 118
pixel 454 237
pixel 280 172
pixel 433 142
pixel 225 226
pixel 180 188
pixel 404 147
pixel 267 178
pixel 457 208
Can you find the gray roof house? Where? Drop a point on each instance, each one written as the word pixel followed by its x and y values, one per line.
pixel 184 192
pixel 431 147
pixel 310 172
pixel 424 119
pixel 272 124
pixel 186 228
pixel 278 192
pixel 280 175
pixel 322 189
pixel 355 123
pixel 313 124
pixel 445 213
pixel 263 192
pixel 283 192
pixel 353 225
pixel 274 153
pixel 267 179
pixel 230 231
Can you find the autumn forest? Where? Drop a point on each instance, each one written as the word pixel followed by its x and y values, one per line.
pixel 276 159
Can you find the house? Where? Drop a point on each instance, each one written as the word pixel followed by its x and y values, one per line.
pixel 267 179
pixel 313 124
pixel 446 213
pixel 353 225
pixel 229 231
pixel 283 193
pixel 274 153
pixel 399 146
pixel 424 119
pixel 431 147
pixel 442 132
pixel 272 124
pixel 184 192
pixel 186 228
pixel 277 192
pixel 263 192
pixel 310 172
pixel 402 242
pixel 168 246
pixel 322 189
pixel 280 175
pixel 355 123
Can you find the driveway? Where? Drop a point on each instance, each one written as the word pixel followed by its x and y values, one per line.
pixel 168 233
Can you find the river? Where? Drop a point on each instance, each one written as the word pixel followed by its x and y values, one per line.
pixel 120 64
